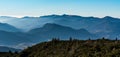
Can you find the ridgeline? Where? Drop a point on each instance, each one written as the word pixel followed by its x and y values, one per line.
pixel 73 48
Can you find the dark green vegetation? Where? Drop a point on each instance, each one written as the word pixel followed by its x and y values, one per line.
pixel 74 48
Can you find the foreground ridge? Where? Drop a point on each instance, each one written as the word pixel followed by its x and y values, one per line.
pixel 73 48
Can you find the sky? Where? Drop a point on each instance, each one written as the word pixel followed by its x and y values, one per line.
pixel 97 8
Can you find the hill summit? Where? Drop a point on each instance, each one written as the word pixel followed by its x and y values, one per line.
pixel 74 48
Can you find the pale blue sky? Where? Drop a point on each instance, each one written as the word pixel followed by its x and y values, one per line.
pixel 98 8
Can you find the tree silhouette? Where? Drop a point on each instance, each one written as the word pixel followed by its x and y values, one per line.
pixel 116 39
pixel 103 38
pixel 89 38
pixel 70 39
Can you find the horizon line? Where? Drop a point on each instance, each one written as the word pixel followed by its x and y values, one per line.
pixel 55 14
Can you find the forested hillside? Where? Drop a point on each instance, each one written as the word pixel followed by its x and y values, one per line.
pixel 74 48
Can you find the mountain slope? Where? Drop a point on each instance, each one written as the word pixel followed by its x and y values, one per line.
pixel 74 48
pixel 13 38
pixel 9 28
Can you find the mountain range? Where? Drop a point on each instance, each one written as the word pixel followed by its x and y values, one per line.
pixel 54 30
pixel 45 33
pixel 21 32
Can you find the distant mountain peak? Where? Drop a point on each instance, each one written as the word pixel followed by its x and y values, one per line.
pixel 65 15
pixel 107 17
pixel 26 17
pixel 53 15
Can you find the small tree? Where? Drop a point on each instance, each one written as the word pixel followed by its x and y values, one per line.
pixel 89 38
pixel 55 39
pixel 116 39
pixel 103 38
pixel 70 39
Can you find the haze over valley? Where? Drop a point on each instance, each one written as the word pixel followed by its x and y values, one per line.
pixel 26 31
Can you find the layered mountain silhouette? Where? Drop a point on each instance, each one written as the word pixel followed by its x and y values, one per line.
pixel 45 33
pixel 16 31
pixel 54 30
pixel 74 21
